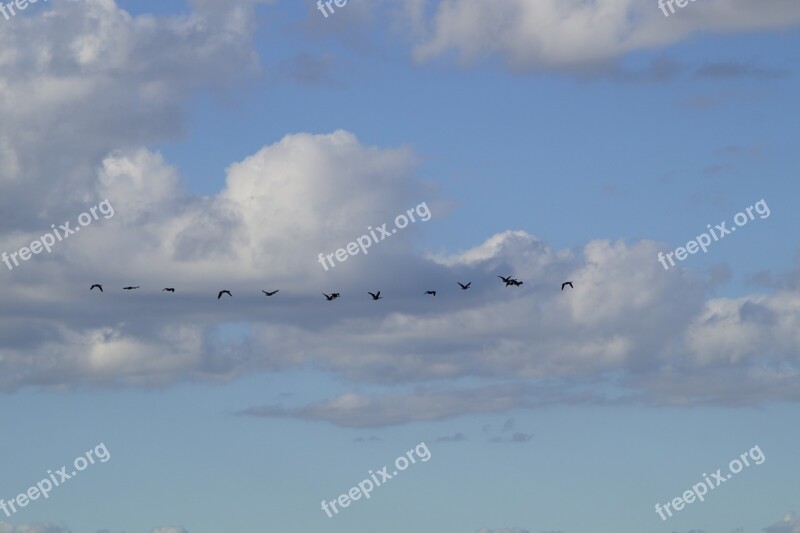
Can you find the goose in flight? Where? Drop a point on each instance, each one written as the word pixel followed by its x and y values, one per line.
pixel 375 296
pixel 464 287
pixel 96 285
pixel 433 293
pixel 270 293
pixel 168 289
pixel 129 288
pixel 224 292
pixel 330 297
pixel 565 284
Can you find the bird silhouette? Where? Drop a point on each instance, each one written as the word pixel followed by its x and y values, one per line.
pixel 508 280
pixel 565 284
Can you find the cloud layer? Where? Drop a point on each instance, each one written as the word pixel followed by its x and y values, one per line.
pixel 99 95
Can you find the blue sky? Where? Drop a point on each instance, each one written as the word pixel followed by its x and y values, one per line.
pixel 551 140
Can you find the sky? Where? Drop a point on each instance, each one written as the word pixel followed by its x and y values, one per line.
pixel 645 152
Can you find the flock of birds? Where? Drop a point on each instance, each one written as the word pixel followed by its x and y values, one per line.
pixel 508 280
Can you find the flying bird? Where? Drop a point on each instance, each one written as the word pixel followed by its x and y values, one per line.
pixel 330 297
pixel 168 289
pixel 375 296
pixel 224 292
pixel 270 293
pixel 129 288
pixel 98 286
pixel 431 292
pixel 565 284
pixel 464 287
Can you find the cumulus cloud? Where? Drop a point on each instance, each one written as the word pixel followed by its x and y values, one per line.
pixel 271 216
pixel 82 79
pixel 98 93
pixel 576 34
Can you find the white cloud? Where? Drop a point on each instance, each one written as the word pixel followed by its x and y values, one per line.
pixel 569 34
pixel 102 86
pixel 79 80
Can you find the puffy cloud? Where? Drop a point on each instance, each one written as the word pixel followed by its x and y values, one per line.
pixel 81 79
pixel 99 92
pixel 280 207
pixel 576 34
